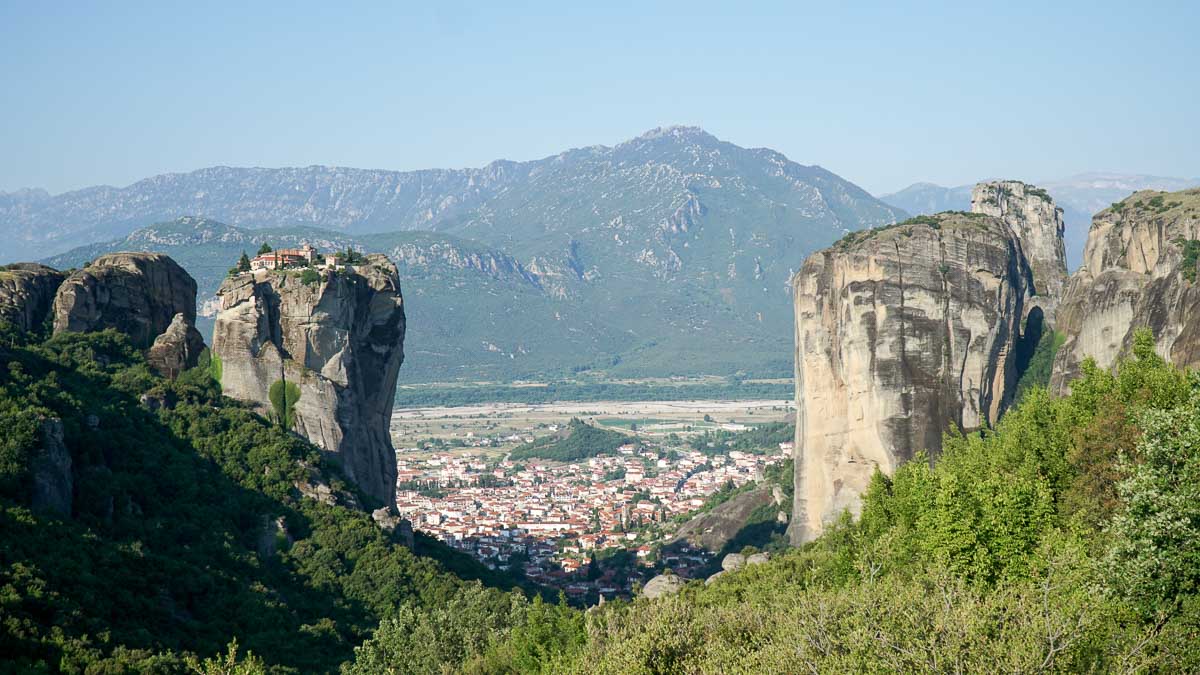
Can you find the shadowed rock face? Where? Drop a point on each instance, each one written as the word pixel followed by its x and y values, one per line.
pixel 53 484
pixel 1136 272
pixel 901 333
pixel 138 294
pixel 340 340
pixel 27 294
pixel 177 349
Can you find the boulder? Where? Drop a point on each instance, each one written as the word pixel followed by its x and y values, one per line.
pixel 27 294
pixel 138 294
pixel 391 522
pixel 663 584
pixel 732 561
pixel 177 349
pixel 712 530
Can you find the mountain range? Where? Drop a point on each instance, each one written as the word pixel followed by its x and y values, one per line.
pixel 1080 196
pixel 665 255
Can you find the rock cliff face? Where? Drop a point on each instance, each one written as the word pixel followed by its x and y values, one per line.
pixel 340 340
pixel 712 530
pixel 1139 269
pixel 1034 218
pixel 901 332
pixel 138 294
pixel 177 349
pixel 53 483
pixel 27 294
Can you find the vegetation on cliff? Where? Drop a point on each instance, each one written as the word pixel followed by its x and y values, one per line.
pixel 188 527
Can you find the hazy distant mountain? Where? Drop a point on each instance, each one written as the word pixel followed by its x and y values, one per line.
pixel 1080 197
pixel 665 255
pixel 662 167
pixel 1093 192
pixel 927 198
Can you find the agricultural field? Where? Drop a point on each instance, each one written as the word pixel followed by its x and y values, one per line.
pixel 497 428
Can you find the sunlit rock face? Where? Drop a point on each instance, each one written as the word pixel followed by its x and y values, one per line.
pixel 27 294
pixel 1139 270
pixel 138 294
pixel 901 333
pixel 340 339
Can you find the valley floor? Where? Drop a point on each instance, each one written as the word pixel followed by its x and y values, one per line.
pixel 549 521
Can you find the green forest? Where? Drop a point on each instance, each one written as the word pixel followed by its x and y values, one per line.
pixel 579 440
pixel 188 530
pixel 1063 540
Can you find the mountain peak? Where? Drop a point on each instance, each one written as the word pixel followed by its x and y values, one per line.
pixel 676 131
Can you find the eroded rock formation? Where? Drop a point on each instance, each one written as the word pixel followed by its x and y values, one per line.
pixel 1038 223
pixel 901 332
pixel 339 340
pixel 138 294
pixel 53 482
pixel 712 530
pixel 27 294
pixel 177 349
pixel 1139 270
pixel 146 296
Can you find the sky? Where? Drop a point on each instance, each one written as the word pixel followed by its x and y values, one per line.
pixel 109 93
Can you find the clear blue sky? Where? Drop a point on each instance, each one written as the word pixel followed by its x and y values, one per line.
pixel 107 93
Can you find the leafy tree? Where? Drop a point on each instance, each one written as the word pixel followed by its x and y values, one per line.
pixel 244 262
pixel 1155 560
pixel 264 249
pixel 283 396
pixel 227 664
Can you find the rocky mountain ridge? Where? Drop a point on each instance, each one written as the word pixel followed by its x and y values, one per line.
pixel 661 165
pixel 601 305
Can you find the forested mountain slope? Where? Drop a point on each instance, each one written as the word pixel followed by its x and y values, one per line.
pixel 668 254
pixel 143 519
